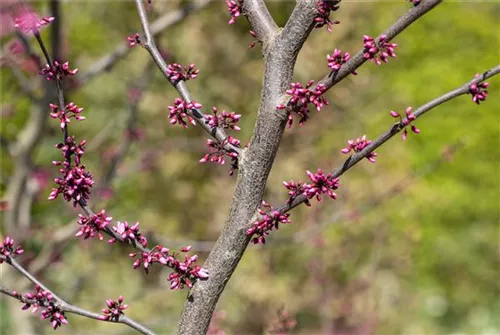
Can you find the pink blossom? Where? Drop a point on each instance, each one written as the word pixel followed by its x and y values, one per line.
pixel 129 233
pixel 58 70
pixel 93 225
pixel 224 120
pixel 324 7
pixel 479 91
pixel 71 110
pixel 300 98
pixel 114 309
pixel 7 249
pixel 177 72
pixel 179 111
pixel 359 145
pixel 271 218
pixel 134 40
pixel 378 52
pixel 294 190
pixel 410 117
pixel 219 152
pixel 29 21
pixel 321 184
pixel 234 9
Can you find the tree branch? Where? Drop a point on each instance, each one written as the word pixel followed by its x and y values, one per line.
pixel 401 24
pixel 106 62
pixel 255 164
pixel 260 19
pixel 216 132
pixel 63 305
pixel 396 128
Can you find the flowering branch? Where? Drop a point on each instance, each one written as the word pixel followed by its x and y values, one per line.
pixel 359 59
pixel 367 151
pixel 194 112
pixel 106 63
pixel 56 306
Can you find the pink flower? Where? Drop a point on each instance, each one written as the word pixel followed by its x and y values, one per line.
pixel 114 309
pixel 234 9
pixel 179 111
pixel 301 97
pixel 129 233
pixel 219 152
pixel 184 274
pixel 93 225
pixel 270 220
pixel 336 60
pixel 177 72
pixel 324 7
pixel 378 52
pixel 7 249
pixel 294 190
pixel 321 184
pixel 57 70
pixel 71 110
pixel 44 299
pixel 359 145
pixel 74 184
pixel 29 21
pixel 415 2
pixel 410 117
pixel 224 120
pixel 479 91
pixel 134 40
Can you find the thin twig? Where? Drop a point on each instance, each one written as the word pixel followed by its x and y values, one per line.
pixel 106 62
pixel 149 44
pixel 63 305
pixel 396 128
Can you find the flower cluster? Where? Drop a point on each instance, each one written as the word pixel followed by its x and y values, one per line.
pixel 41 298
pixel 134 40
pixel 271 218
pixel 129 233
pixel 179 111
pixel 301 97
pixel 324 7
pixel 234 9
pixel 478 91
pixel 177 72
pixel 76 181
pixel 321 184
pixel 29 21
pixel 94 225
pixel 184 272
pixel 114 309
pixel 295 189
pixel 359 145
pixel 70 110
pixel 224 120
pixel 415 2
pixel 7 249
pixel 57 70
pixel 219 151
pixel 378 52
pixel 406 121
pixel 336 60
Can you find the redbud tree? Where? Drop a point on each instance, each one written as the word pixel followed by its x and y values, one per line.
pixel 252 220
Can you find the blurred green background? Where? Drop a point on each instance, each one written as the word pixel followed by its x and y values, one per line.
pixel 411 244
